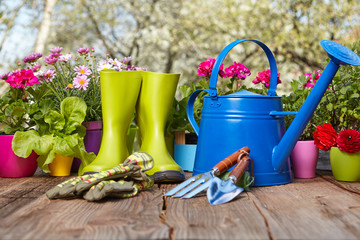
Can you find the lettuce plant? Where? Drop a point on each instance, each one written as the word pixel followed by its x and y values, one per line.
pixel 61 132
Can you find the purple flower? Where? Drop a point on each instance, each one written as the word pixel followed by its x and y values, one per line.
pixel 5 76
pixel 46 76
pixel 32 57
pixel 83 51
pixel 56 50
pixel 125 60
pixel 51 59
pixel 36 67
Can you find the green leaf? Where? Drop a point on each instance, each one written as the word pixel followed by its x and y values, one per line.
pixel 24 142
pixel 55 120
pixel 74 111
pixel 64 146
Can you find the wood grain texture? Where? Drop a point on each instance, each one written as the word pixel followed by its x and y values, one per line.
pixel 195 218
pixel 309 209
pixel 318 208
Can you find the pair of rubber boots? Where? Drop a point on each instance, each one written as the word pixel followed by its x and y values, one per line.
pixel 151 96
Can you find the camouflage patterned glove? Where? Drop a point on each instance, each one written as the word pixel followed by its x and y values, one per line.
pixel 133 169
pixel 117 189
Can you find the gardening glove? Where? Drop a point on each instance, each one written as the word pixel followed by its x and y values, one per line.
pixel 133 168
pixel 117 189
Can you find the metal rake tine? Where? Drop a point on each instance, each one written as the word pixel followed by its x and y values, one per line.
pixel 192 186
pixel 182 185
pixel 197 190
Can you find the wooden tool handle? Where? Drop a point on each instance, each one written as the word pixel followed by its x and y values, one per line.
pixel 230 161
pixel 240 168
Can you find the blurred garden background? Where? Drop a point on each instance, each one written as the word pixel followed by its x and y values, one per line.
pixel 176 36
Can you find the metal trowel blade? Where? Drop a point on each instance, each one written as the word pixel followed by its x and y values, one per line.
pixel 221 191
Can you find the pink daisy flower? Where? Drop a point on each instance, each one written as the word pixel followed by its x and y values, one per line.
pixel 81 82
pixel 82 70
pixel 65 58
pixel 56 50
pixel 83 51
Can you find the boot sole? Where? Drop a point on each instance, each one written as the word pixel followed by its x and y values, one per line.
pixel 168 176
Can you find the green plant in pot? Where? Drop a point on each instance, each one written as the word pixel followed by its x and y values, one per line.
pixel 61 132
pixel 19 106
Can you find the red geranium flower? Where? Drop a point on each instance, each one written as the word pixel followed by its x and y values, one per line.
pixel 325 137
pixel 349 141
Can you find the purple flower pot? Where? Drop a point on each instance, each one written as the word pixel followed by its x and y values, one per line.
pixel 92 141
pixel 12 166
pixel 304 159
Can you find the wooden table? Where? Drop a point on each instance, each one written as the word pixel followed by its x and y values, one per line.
pixel 318 208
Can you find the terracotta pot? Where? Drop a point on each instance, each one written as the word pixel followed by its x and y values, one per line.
pixel 304 158
pixel 12 165
pixel 92 141
pixel 345 166
pixel 60 166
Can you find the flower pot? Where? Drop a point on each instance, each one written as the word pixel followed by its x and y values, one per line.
pixel 60 166
pixel 345 166
pixel 304 158
pixel 184 152
pixel 12 165
pixel 92 141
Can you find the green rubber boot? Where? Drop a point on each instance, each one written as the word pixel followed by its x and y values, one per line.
pixel 119 93
pixel 156 97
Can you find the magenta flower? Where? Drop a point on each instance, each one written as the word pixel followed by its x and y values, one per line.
pixel 56 50
pixel 65 58
pixel 81 82
pixel 206 67
pixel 51 59
pixel 310 83
pixel 264 78
pixel 32 57
pixel 117 64
pixel 237 71
pixel 21 78
pixel 82 70
pixel 83 51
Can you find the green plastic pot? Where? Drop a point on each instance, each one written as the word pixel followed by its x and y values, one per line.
pixel 345 166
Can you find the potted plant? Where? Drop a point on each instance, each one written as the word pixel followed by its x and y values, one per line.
pixel 19 106
pixel 344 151
pixel 305 154
pixel 58 139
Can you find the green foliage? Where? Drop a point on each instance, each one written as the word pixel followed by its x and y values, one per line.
pixel 62 133
pixel 19 108
pixel 294 101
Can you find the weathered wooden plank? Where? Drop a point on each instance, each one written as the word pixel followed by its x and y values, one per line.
pixel 195 218
pixel 353 187
pixel 309 209
pixel 138 217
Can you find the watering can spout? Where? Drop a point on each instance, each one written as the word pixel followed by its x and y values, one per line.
pixel 339 55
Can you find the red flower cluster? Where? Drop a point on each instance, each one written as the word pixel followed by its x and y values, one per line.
pixel 326 137
pixel 22 78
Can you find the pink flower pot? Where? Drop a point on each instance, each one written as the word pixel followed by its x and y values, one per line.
pixel 304 159
pixel 12 165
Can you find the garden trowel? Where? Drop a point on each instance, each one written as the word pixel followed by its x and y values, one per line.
pixel 222 191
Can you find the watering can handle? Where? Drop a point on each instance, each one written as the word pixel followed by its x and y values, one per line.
pixel 226 50
pixel 190 109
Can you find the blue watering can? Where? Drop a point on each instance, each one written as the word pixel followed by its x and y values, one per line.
pixel 247 119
